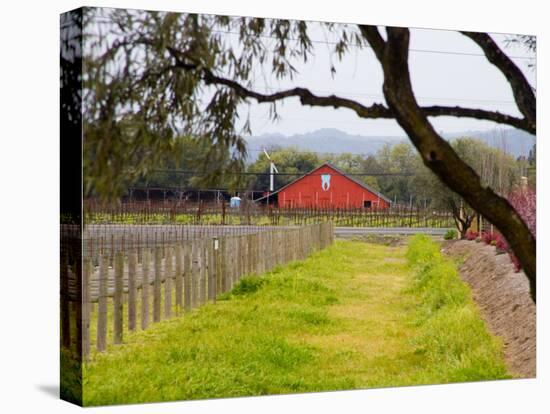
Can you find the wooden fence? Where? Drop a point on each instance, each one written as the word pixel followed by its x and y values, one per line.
pixel 148 284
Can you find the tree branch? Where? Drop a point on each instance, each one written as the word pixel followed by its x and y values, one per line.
pixel 374 38
pixel 523 92
pixel 305 95
pixel 373 111
pixel 439 156
pixel 482 114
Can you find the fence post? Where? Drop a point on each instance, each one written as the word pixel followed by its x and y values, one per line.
pixel 145 261
pixel 168 282
pixel 242 252
pixel 236 254
pixel 77 304
pixel 194 273
pixel 157 284
pixel 86 303
pixel 188 271
pixel 256 254
pixel 211 270
pixel 117 297
pixel 222 273
pixel 250 252
pixel 270 251
pixel 261 245
pixel 132 289
pixel 179 276
pixel 204 271
pixel 102 303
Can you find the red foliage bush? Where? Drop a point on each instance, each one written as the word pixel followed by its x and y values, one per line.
pixel 487 237
pixel 501 243
pixel 524 202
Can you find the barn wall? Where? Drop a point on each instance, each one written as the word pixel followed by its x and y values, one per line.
pixel 342 192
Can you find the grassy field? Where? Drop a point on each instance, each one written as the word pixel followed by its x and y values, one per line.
pixel 356 315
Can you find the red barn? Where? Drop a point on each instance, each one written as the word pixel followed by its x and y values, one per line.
pixel 329 187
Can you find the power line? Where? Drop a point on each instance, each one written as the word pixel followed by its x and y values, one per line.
pixel 328 42
pixel 334 43
pixel 304 151
pixel 366 174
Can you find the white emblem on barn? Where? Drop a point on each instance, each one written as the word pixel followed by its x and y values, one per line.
pixel 325 182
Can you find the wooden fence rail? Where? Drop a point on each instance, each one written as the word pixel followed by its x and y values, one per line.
pixel 154 283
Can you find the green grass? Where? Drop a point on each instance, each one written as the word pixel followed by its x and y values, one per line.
pixel 451 332
pixel 71 377
pixel 356 315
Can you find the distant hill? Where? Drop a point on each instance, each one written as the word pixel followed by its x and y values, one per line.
pixel 323 140
pixel 330 140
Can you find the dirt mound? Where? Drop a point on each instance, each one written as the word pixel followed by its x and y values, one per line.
pixel 504 300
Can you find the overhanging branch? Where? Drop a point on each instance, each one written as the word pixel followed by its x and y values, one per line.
pixel 523 93
pixel 305 95
pixel 495 116
pixel 185 61
pixel 373 111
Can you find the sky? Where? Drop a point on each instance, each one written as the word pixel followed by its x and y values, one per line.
pixel 439 76
pixel 446 68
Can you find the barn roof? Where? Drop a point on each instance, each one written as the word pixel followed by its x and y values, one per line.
pixel 339 171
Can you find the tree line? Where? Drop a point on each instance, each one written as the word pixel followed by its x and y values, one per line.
pixel 397 170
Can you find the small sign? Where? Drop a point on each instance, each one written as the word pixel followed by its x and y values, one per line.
pixel 215 244
pixel 325 182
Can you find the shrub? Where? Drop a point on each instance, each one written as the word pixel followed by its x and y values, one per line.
pixel 450 234
pixel 501 243
pixel 471 235
pixel 487 237
pixel 248 285
pixel 524 202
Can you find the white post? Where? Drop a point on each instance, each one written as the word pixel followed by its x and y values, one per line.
pixel 271 177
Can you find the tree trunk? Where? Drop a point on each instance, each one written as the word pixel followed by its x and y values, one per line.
pixel 439 156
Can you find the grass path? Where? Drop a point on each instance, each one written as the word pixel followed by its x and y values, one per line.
pixel 348 317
